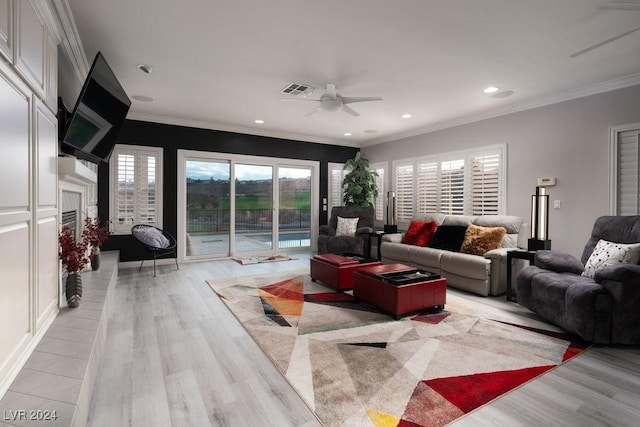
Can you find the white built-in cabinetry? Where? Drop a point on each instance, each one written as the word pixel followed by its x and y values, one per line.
pixel 29 263
pixel 6 28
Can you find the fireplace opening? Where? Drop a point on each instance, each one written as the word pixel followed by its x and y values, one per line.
pixel 70 216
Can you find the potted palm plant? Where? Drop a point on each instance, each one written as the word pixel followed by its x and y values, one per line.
pixel 74 257
pixel 359 184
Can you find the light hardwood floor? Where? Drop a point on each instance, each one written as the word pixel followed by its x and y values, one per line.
pixel 176 356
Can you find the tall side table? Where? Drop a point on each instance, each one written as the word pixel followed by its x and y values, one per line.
pixel 511 255
pixel 377 236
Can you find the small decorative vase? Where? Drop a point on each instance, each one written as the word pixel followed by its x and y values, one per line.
pixel 73 289
pixel 95 260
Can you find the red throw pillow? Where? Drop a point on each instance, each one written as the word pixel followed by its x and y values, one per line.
pixel 419 233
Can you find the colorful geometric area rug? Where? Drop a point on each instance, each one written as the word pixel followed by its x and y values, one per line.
pixel 355 366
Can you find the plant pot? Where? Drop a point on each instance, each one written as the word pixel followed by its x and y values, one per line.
pixel 95 260
pixel 73 289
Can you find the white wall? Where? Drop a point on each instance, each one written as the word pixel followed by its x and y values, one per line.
pixel 568 140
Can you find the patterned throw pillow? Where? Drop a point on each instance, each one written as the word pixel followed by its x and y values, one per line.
pixel 480 240
pixel 347 226
pixel 419 233
pixel 606 254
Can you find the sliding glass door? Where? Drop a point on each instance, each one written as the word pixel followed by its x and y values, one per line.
pixel 253 208
pixel 245 206
pixel 208 218
pixel 294 212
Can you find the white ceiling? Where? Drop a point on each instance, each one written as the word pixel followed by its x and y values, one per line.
pixel 221 64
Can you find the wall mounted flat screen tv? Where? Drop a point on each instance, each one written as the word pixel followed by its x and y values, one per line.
pixel 92 129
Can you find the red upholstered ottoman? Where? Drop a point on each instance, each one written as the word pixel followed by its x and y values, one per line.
pixel 337 270
pixel 398 300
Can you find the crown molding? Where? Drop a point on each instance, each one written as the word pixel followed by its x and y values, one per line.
pixel 60 20
pixel 602 87
pixel 239 129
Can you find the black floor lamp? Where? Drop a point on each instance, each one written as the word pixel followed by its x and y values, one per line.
pixel 539 221
pixel 390 226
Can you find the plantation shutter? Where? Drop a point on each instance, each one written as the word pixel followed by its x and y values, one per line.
pixel 628 185
pixel 427 184
pixel 336 175
pixel 137 188
pixel 146 186
pixel 125 201
pixel 485 184
pixel 404 192
pixel 452 187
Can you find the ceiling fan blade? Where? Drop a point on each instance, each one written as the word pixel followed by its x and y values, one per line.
pixel 314 110
pixel 352 99
pixel 299 99
pixel 620 5
pixel 602 43
pixel 349 110
pixel 331 90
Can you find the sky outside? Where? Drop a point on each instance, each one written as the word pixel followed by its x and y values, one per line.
pixel 208 170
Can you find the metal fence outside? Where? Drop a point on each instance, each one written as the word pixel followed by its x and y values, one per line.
pixel 218 220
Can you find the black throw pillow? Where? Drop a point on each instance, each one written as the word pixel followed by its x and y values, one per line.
pixel 448 237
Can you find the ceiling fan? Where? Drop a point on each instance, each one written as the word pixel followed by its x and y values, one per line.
pixel 613 5
pixel 332 101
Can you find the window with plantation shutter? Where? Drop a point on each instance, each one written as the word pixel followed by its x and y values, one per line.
pixel 427 185
pixel 135 187
pixel 452 187
pixel 336 175
pixel 485 184
pixel 628 174
pixel 464 183
pixel 404 192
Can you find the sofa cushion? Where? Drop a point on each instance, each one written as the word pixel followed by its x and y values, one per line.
pixel 419 233
pixel 464 220
pixel 513 225
pixel 395 251
pixel 438 218
pixel 346 226
pixel 465 265
pixel 448 237
pixel 479 240
pixel 428 258
pixel 607 253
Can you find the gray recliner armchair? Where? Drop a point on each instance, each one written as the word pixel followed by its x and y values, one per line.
pixel 328 242
pixel 604 309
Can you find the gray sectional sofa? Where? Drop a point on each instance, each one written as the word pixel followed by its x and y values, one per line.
pixel 482 275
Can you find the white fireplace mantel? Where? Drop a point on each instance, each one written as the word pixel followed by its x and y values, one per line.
pixel 73 171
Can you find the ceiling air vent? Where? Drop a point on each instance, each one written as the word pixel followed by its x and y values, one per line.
pixel 298 89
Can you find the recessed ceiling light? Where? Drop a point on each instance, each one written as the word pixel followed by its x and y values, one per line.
pixel 142 98
pixel 347 134
pixel 491 89
pixel 145 68
pixel 258 121
pixel 406 116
